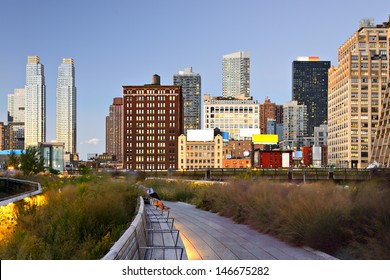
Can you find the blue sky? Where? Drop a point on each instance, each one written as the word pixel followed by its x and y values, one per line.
pixel 125 42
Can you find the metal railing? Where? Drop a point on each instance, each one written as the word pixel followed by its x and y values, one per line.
pixel 151 235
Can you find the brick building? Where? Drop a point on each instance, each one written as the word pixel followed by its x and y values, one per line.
pixel 153 122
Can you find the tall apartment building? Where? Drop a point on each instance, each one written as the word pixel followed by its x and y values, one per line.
pixel 153 121
pixel 66 111
pixel 236 74
pixel 16 105
pixel 35 103
pixel 114 129
pixel 381 144
pixel 294 124
pixel 230 114
pixel 191 90
pixel 270 111
pixel 310 87
pixel 356 89
pixel 199 152
pixel 16 118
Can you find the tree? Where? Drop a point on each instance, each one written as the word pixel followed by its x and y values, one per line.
pixel 13 161
pixel 31 161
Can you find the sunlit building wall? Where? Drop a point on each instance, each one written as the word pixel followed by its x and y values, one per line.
pixel 356 89
pixel 230 115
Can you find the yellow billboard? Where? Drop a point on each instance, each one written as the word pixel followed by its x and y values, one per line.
pixel 265 139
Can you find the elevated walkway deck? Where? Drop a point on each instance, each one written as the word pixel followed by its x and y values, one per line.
pixel 208 236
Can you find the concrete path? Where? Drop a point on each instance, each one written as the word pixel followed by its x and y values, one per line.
pixel 208 236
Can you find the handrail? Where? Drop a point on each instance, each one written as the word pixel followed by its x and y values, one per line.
pixel 35 188
pixel 138 242
pixel 127 246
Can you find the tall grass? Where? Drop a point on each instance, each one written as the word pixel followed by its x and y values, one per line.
pixel 79 221
pixel 347 222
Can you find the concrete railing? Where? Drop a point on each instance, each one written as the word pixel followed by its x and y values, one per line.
pixel 130 244
pixel 15 190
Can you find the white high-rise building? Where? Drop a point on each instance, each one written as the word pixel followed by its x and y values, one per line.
pixel 35 103
pixel 295 125
pixel 236 74
pixel 16 105
pixel 66 106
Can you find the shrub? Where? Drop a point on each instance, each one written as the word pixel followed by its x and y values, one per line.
pixel 77 222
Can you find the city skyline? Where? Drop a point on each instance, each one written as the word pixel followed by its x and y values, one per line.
pixel 108 42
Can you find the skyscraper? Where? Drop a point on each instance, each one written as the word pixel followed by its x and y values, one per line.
pixel 66 119
pixel 236 74
pixel 310 87
pixel 16 106
pixel 16 118
pixel 356 88
pixel 295 125
pixel 191 90
pixel 114 129
pixel 35 105
pixel 153 122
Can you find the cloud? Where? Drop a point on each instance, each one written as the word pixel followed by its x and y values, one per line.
pixel 93 141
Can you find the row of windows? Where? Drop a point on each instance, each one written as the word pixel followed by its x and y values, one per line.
pixel 142 96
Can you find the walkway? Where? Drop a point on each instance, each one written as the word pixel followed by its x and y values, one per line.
pixel 208 236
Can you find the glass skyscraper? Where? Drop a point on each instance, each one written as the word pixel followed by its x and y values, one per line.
pixel 66 106
pixel 310 87
pixel 191 90
pixel 235 74
pixel 35 106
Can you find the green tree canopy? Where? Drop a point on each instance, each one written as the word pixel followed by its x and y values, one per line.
pixel 31 161
pixel 13 160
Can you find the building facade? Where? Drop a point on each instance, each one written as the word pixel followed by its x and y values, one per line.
pixel 236 74
pixel 153 122
pixel 35 103
pixel 310 87
pixel 53 155
pixel 356 88
pixel 271 111
pixel 195 155
pixel 114 130
pixel 321 135
pixel 16 105
pixel 190 84
pixel 294 124
pixel 16 118
pixel 230 115
pixel 66 106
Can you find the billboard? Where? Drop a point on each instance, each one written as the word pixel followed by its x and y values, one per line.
pixel 317 153
pixel 248 132
pixel 297 155
pixel 225 136
pixel 268 139
pixel 200 135
pixel 285 160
